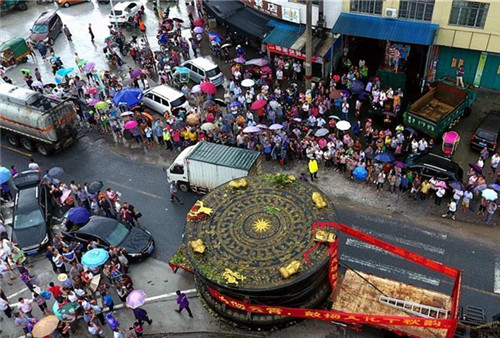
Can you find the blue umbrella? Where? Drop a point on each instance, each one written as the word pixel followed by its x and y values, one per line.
pixel 78 215
pixel 95 258
pixel 495 187
pixel 226 128
pixel 235 104
pixel 130 96
pixel 358 87
pixel 56 171
pixel 360 174
pixel 384 158
pixel 5 175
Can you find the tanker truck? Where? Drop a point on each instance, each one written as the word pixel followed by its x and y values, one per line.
pixel 35 121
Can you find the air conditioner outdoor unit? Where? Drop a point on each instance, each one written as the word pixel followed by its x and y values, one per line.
pixel 391 13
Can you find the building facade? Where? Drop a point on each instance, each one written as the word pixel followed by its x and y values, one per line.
pixel 468 34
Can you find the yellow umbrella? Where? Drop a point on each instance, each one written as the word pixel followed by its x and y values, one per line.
pixel 45 326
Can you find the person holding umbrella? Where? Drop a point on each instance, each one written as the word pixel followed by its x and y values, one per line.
pixel 142 316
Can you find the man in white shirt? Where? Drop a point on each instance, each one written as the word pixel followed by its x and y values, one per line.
pixel 422 145
pixel 26 306
pixel 495 160
pixel 33 165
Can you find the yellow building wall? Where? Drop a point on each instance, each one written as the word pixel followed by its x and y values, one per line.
pixel 482 39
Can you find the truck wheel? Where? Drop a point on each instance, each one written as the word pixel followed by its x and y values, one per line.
pixel 12 139
pixel 183 186
pixel 43 149
pixel 22 6
pixel 27 144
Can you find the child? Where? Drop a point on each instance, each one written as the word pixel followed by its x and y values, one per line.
pixel 137 329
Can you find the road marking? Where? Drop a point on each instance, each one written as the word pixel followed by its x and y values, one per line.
pixel 138 190
pixel 397 224
pixel 17 293
pixel 407 242
pixel 362 245
pixel 17 151
pixel 496 287
pixel 391 269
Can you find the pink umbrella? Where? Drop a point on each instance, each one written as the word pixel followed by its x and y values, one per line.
pixel 89 66
pixel 266 69
pixel 322 142
pixel 93 90
pixel 198 22
pixel 136 298
pixel 251 129
pixel 130 125
pixel 258 104
pixel 208 87
pixel 93 102
pixel 440 184
pixel 65 195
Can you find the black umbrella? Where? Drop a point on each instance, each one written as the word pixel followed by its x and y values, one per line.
pixel 178 20
pixel 95 186
pixel 221 102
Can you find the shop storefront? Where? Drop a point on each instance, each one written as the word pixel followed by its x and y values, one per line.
pixel 289 40
pixel 482 69
pixel 395 50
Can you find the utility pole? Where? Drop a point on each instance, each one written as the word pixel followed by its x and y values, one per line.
pixel 308 64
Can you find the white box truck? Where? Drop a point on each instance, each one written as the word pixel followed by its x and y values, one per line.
pixel 206 165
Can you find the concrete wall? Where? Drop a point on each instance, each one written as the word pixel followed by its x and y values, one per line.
pixel 332 10
pixel 480 39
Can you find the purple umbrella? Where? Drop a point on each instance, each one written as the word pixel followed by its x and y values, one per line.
pixel 198 30
pixel 251 129
pixel 476 168
pixel 93 102
pixel 495 187
pixel 89 66
pixel 399 164
pixel 357 87
pixel 239 60
pixel 456 185
pixel 136 73
pixel 136 298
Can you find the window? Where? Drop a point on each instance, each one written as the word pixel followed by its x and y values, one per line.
pixel 367 6
pixel 416 9
pixel 468 13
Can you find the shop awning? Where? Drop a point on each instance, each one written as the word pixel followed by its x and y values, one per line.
pixel 249 22
pixel 222 8
pixel 283 34
pixel 417 32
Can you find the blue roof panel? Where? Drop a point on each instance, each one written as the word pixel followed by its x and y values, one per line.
pixel 417 32
pixel 283 34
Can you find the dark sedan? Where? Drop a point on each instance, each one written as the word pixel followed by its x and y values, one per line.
pixel 32 212
pixel 138 243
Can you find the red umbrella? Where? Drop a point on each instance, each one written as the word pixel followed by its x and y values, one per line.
pixel 208 87
pixel 258 104
pixel 199 22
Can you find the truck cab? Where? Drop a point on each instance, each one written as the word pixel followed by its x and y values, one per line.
pixel 178 170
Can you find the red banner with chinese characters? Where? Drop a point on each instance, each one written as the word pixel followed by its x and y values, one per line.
pixel 334 264
pixel 292 53
pixel 335 315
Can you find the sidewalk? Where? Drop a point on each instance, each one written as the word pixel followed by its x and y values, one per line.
pixel 160 283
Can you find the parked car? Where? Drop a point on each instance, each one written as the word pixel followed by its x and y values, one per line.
pixel 432 165
pixel 32 212
pixel 201 68
pixel 67 3
pixel 46 28
pixel 486 135
pixel 124 12
pixel 165 98
pixel 138 243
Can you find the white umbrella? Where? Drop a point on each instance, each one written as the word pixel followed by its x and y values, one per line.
pixel 321 132
pixel 127 113
pixel 343 125
pixel 196 89
pixel 247 83
pixel 489 194
pixel 262 126
pixel 251 129
pixel 275 126
pixel 208 126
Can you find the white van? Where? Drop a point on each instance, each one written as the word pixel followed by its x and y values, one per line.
pixel 164 98
pixel 202 68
